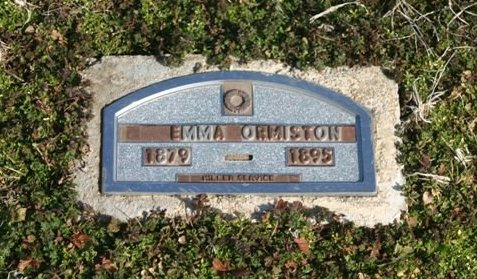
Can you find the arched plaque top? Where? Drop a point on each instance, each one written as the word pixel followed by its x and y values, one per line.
pixel 237 132
pixel 183 83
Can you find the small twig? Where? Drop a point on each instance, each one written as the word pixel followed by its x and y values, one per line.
pixel 14 170
pixel 399 38
pixel 428 176
pixel 334 9
pixel 413 16
pixel 294 233
pixel 470 13
pixel 457 15
pixel 43 156
pixel 404 11
pixel 422 108
pixel 439 74
pixel 14 274
pixel 24 4
pixel 274 230
pixel 3 50
pixel 15 76
pixel 417 99
pixel 460 155
pixel 422 16
pixel 391 14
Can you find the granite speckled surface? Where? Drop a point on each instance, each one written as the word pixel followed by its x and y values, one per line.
pixel 202 105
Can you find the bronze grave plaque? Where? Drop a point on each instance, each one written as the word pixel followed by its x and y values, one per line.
pixel 237 133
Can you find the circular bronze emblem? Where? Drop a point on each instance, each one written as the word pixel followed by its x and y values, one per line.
pixel 236 101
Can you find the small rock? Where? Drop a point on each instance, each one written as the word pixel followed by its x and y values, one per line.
pixel 427 198
pixel 30 29
pixel 182 239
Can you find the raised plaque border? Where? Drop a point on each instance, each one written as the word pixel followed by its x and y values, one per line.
pixel 366 186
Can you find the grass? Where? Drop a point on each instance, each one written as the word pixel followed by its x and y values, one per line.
pixel 428 47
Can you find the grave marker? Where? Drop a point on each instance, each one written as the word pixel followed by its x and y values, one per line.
pixel 237 133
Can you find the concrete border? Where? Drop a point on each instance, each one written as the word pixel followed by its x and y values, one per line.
pixel 114 77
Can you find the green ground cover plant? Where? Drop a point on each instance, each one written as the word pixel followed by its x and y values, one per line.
pixel 428 47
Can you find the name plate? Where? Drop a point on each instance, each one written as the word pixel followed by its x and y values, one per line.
pixel 237 133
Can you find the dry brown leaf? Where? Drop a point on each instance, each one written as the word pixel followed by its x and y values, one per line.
pixel 30 238
pixel 55 35
pixel 29 262
pixel 106 264
pixel 201 201
pixel 411 221
pixel 442 169
pixel 426 162
pixel 363 276
pixel 79 240
pixel 350 249
pixel 21 214
pixel 303 245
pixel 291 265
pixel 281 205
pixel 296 205
pixel 220 266
pixel 375 250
